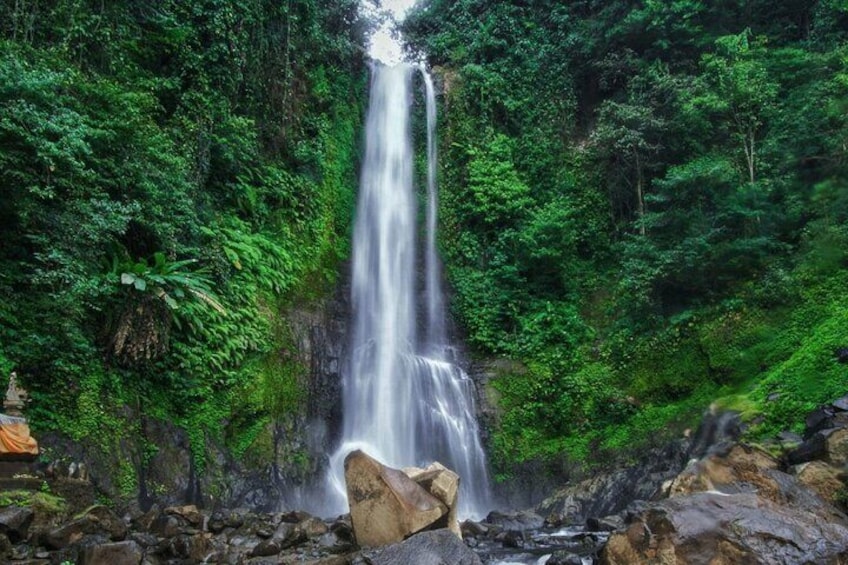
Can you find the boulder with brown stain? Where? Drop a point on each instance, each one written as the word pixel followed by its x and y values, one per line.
pixel 735 507
pixel 386 506
pixel 824 479
pixel 744 528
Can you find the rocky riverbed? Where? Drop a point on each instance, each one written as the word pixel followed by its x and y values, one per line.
pixel 184 535
pixel 711 498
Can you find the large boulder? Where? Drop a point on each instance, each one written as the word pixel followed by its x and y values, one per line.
pixel 733 507
pixel 740 469
pixel 386 506
pixel 743 528
pixel 437 547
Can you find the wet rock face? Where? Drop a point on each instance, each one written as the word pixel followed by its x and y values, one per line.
pixel 324 338
pixel 608 493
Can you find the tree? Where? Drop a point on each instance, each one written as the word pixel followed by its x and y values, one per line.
pixel 736 86
pixel 627 135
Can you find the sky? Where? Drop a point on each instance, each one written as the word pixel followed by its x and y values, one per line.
pixel 385 47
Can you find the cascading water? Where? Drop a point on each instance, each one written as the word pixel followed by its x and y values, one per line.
pixel 404 402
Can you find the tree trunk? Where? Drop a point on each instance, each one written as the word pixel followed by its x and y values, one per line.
pixel 748 140
pixel 640 196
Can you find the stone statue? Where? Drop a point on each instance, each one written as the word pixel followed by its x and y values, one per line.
pixel 16 397
pixel 16 443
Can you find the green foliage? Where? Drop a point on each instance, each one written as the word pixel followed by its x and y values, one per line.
pixel 644 204
pixel 173 179
pixel 498 196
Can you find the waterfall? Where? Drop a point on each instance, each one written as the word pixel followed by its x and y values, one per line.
pixel 404 402
pixel 432 272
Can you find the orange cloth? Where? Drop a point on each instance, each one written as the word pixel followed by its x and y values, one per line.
pixel 15 438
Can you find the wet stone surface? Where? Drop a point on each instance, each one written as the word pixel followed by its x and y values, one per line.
pixel 542 546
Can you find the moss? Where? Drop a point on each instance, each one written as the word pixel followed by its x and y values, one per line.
pixel 38 501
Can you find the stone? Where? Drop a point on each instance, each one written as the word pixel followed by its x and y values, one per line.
pixel 295 516
pixel 97 520
pixel 824 479
pixel 841 404
pixel 436 547
pixel 741 469
pixel 788 438
pixel 290 535
pixel 519 521
pixel 605 524
pixel 5 547
pixel 813 448
pixel 343 529
pixel 145 521
pixel 266 548
pixel 442 483
pixel 118 553
pixel 819 419
pixel 513 538
pixel 20 552
pixel 734 506
pixel 16 397
pixel 192 547
pixel 167 526
pixel 216 522
pixel 145 540
pixel 189 513
pixel 472 529
pixel 235 519
pixel 313 527
pixel 564 558
pixel 15 522
pixel 836 447
pixel 386 506
pixel 745 528
pixel 334 543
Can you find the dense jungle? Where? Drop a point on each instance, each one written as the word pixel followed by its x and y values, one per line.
pixel 643 213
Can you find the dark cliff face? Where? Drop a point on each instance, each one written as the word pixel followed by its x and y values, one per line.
pixel 327 345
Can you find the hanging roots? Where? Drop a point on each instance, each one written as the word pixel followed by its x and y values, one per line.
pixel 142 332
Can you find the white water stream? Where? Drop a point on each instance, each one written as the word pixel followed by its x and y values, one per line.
pixel 404 402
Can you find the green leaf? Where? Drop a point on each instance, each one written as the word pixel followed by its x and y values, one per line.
pixel 127 278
